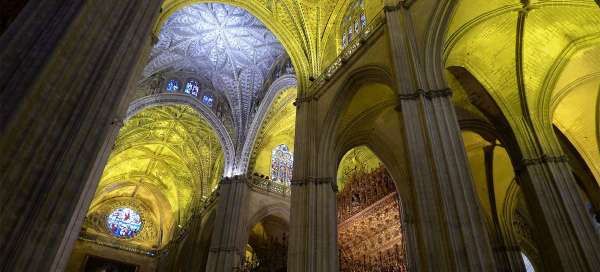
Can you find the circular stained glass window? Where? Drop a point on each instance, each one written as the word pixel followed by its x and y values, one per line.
pixel 124 223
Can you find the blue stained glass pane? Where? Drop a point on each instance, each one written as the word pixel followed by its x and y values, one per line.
pixel 172 85
pixel 356 26
pixel 124 223
pixel 349 33
pixel 208 100
pixel 363 21
pixel 191 87
pixel 344 40
pixel 282 162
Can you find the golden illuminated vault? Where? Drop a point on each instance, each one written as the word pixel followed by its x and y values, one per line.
pixel 166 159
pixel 553 45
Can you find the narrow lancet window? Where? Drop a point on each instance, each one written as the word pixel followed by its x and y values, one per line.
pixel 354 22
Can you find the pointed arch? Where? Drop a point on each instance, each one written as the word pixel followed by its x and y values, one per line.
pixel 279 85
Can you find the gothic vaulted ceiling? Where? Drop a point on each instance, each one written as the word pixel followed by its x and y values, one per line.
pixel 230 49
pixel 164 158
pixel 306 28
pixel 554 46
pixel 278 127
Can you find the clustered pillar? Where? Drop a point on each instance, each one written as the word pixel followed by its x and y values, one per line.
pixel 65 70
pixel 449 227
pixel 313 225
pixel 564 233
pixel 226 247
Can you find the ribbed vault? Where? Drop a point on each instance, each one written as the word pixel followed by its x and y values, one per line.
pixel 165 159
pixel 228 48
pixel 529 55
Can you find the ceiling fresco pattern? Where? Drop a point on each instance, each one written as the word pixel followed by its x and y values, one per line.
pixel 307 29
pixel 230 49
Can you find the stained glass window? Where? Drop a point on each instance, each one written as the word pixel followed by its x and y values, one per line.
pixel 172 86
pixel 208 100
pixel 349 33
pixel 527 263
pixel 124 223
pixel 355 21
pixel 191 87
pixel 282 162
pixel 363 20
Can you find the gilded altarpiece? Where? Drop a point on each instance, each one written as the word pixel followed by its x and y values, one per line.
pixel 369 229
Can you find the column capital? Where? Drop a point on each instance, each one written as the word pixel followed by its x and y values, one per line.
pixel 425 94
pixel 117 122
pixel 316 180
pixel 420 93
pixel 305 99
pixel 234 179
pixel 393 5
pixel 543 159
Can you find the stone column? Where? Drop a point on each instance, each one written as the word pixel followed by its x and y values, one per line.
pixel 313 226
pixel 450 230
pixel 65 70
pixel 313 218
pixel 564 232
pixel 409 239
pixel 226 247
